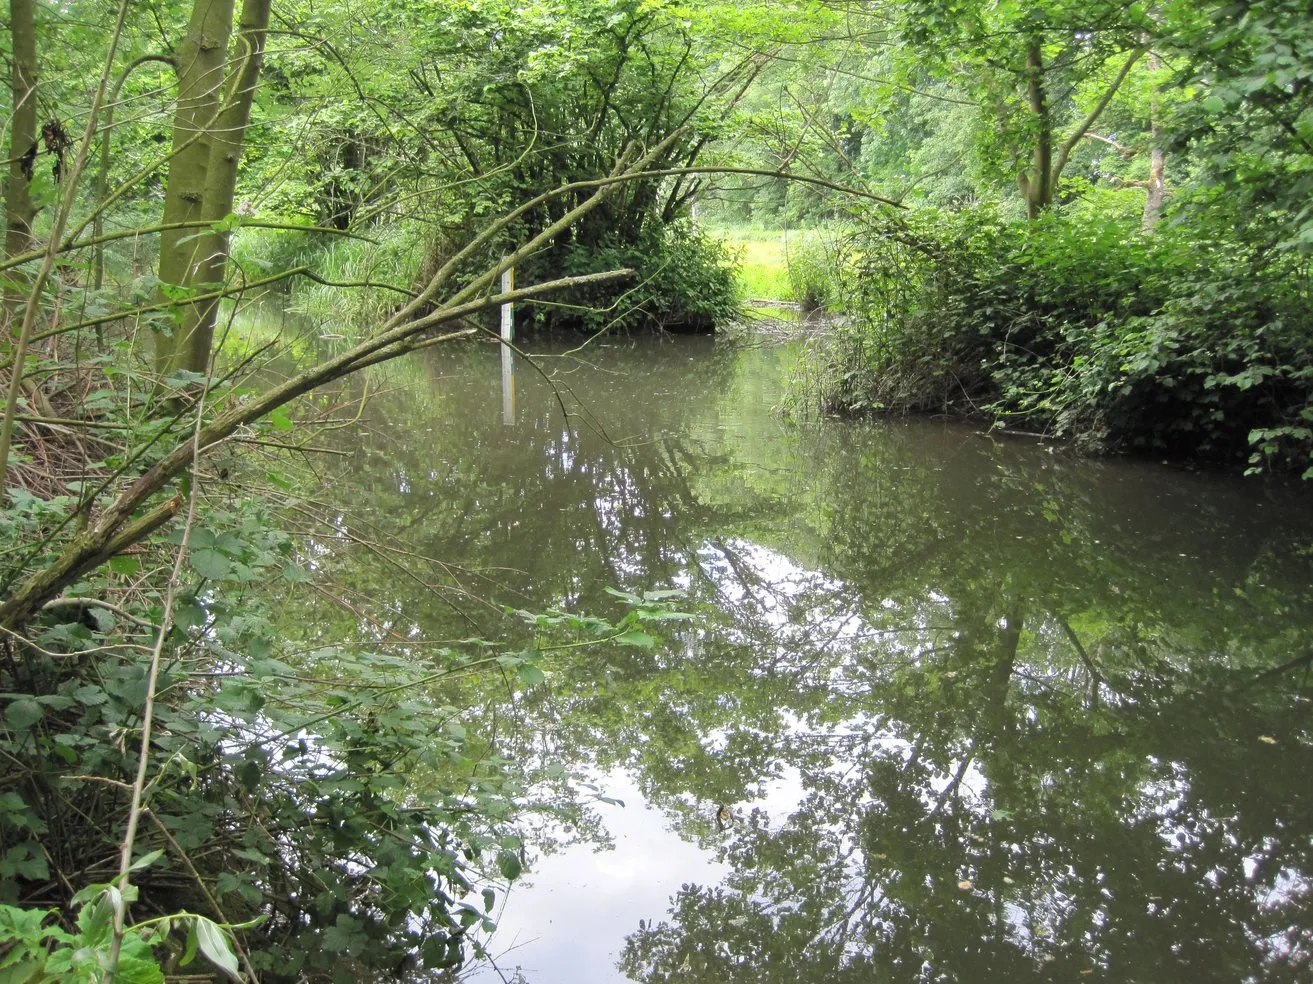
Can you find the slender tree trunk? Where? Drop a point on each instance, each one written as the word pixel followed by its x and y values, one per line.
pixel 221 178
pixel 102 175
pixel 19 208
pixel 1153 205
pixel 200 60
pixel 1037 184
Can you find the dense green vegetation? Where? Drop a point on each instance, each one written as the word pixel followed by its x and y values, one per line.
pixel 1107 232
pixel 1089 218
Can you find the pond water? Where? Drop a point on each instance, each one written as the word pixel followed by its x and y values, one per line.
pixel 950 707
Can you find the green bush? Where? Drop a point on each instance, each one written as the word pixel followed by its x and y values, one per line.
pixel 813 271
pixel 684 282
pixel 1192 341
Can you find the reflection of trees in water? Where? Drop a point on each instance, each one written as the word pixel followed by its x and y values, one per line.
pixel 549 511
pixel 968 823
pixel 1008 701
pixel 1065 777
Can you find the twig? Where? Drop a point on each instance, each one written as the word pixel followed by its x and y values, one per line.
pixel 58 603
pixel 52 248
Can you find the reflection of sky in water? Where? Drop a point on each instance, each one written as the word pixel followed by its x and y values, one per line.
pixel 568 918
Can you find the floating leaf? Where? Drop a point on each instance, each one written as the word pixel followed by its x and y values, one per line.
pixel 966 884
pixel 1267 739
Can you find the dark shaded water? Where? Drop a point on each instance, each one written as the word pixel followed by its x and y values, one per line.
pixel 952 708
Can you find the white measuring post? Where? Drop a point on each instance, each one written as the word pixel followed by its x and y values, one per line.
pixel 507 357
pixel 508 309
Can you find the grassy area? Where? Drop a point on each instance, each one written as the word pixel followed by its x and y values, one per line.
pixel 765 256
pixel 763 269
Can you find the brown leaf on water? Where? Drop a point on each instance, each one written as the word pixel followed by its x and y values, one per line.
pixel 966 884
pixel 1267 739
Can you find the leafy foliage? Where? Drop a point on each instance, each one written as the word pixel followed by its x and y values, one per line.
pixel 1188 342
pixel 36 950
pixel 684 282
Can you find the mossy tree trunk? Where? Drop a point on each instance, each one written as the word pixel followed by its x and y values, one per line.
pixel 1153 203
pixel 221 178
pixel 200 60
pixel 214 106
pixel 1037 183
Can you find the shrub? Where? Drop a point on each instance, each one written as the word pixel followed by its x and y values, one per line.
pixel 814 271
pixel 684 282
pixel 1192 341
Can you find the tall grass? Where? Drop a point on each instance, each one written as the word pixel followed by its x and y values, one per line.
pixel 392 256
pixel 781 264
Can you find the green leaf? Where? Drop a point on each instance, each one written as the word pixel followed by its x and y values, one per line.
pixel 213 942
pixel 90 695
pixel 296 575
pixel 228 223
pixel 189 952
pixel 125 565
pixel 509 864
pixel 23 713
pixel 182 378
pixel 209 563
pixel 146 860
pixel 136 970
pixel 280 419
pixel 531 675
pixel 635 638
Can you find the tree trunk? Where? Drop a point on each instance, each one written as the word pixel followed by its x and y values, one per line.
pixel 221 179
pixel 1037 183
pixel 19 208
pixel 200 60
pixel 1153 205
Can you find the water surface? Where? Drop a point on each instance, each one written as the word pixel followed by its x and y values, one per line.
pixel 951 707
